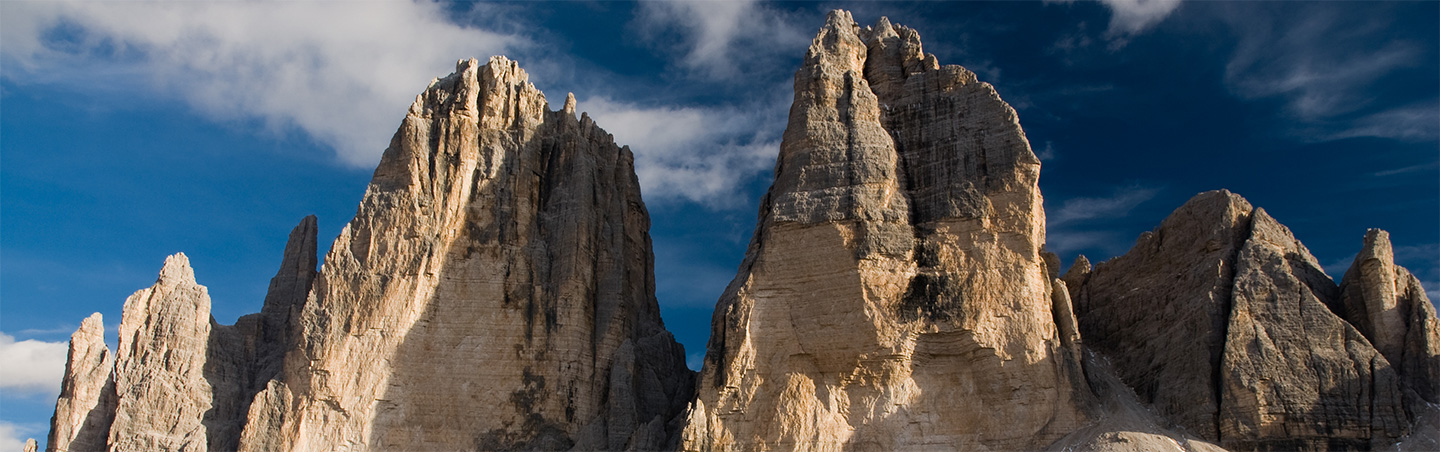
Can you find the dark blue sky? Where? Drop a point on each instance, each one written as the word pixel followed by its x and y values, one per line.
pixel 132 131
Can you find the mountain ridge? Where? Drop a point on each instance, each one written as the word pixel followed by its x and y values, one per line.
pixel 496 292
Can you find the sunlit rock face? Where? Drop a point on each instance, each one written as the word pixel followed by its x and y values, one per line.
pixel 495 291
pixel 894 294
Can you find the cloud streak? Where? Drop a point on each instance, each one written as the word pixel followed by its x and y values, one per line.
pixel 1116 205
pixel 342 72
pixel 1081 223
pixel 1326 66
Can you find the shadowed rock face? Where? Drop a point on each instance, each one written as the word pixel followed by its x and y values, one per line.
pixel 179 381
pixel 495 291
pixel 1390 308
pixel 894 295
pixel 1222 321
pixel 86 406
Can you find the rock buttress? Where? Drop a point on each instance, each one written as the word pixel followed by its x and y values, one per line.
pixel 894 295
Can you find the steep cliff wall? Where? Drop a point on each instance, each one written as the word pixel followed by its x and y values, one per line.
pixel 894 294
pixel 494 291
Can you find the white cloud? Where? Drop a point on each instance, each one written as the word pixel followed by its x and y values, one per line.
pixel 1047 153
pixel 1420 122
pixel 1085 223
pixel 1128 17
pixel 10 437
pixel 700 154
pixel 1116 205
pixel 343 72
pixel 1064 242
pixel 31 366
pixel 722 39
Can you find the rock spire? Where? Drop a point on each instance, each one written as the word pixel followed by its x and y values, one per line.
pixel 495 291
pixel 894 294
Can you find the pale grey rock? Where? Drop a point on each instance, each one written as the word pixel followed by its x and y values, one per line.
pixel 1389 307
pixel 1159 312
pixel 1221 320
pixel 895 295
pixel 86 406
pixel 30 445
pixel 1295 375
pixel 1077 273
pixel 1425 435
pixel 162 391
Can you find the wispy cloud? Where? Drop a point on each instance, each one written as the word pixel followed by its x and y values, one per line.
pixel 1337 268
pixel 64 329
pixel 721 39
pixel 1416 122
pixel 1117 204
pixel 694 153
pixel 1129 17
pixel 31 366
pixel 1087 223
pixel 1430 167
pixel 342 72
pixel 1046 153
pixel 1325 66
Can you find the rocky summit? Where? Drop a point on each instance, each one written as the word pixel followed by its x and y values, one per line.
pixel 894 294
pixel 496 291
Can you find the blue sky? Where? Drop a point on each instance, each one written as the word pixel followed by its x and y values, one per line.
pixel 133 130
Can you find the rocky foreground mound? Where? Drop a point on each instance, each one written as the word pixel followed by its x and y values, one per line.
pixel 495 291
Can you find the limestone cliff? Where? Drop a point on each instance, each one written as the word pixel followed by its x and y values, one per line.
pixel 1222 322
pixel 495 291
pixel 894 295
pixel 86 406
pixel 1386 303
